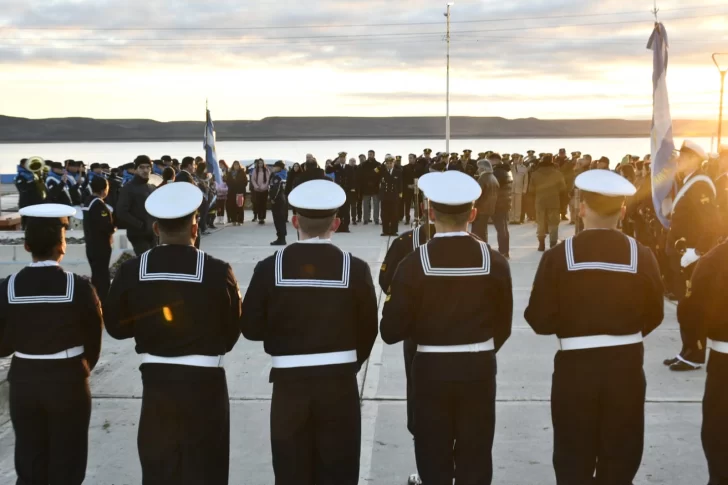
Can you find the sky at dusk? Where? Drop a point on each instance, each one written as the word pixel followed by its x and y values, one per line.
pixel 160 59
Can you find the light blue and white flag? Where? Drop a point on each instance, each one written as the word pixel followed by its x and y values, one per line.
pixel 208 144
pixel 664 165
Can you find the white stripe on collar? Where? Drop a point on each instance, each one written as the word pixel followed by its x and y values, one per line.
pixel 315 240
pixel 41 264
pixel 693 180
pixel 484 269
pixel 416 237
pixel 310 283
pixel 145 275
pixel 571 265
pixel 91 204
pixel 451 234
pixel 24 300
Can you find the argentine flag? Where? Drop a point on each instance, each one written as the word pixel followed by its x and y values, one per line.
pixel 208 143
pixel 664 165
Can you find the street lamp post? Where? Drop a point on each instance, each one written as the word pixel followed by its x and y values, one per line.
pixel 447 96
pixel 723 70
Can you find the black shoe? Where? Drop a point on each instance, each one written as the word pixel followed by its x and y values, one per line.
pixel 255 219
pixel 414 479
pixel 206 233
pixel 681 366
pixel 669 362
pixel 340 230
pixel 542 246
pixel 261 222
pixel 278 242
pixel 354 223
pixel 366 222
pixel 213 226
pixel 384 234
pixel 376 223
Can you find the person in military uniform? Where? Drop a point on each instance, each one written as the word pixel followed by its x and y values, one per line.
pixel 721 187
pixel 31 189
pixel 426 159
pixel 279 204
pixel 51 319
pixel 457 336
pixel 409 174
pixel 704 308
pixel 598 392
pixel 454 162
pixel 58 185
pixel 182 307
pixel 98 232
pixel 345 177
pixel 547 185
pixel 316 349
pixel 390 195
pixel 694 230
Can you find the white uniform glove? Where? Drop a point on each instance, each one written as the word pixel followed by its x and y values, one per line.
pixel 689 258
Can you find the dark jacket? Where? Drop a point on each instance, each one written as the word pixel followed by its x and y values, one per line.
pixel 237 183
pixel 98 224
pixel 368 175
pixel 30 191
pixel 547 184
pixel 344 176
pixel 291 180
pixel 58 192
pixel 311 173
pixel 276 190
pixel 130 211
pixel 487 201
pixel 391 184
pixel 502 173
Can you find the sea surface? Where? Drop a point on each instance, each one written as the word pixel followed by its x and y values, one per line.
pixel 118 153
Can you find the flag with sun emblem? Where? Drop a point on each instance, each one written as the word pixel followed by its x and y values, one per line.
pixel 208 144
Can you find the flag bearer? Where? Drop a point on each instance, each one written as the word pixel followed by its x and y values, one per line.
pixel 453 298
pixel 598 394
pixel 315 308
pixel 52 320
pixel 182 307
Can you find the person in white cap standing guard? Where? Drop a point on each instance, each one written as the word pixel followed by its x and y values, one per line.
pixel 694 230
pixel 453 297
pixel 315 308
pixel 52 320
pixel 182 307
pixel 598 393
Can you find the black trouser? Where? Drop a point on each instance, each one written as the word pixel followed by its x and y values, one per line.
pixel 204 210
pixel 598 413
pixel 409 348
pixel 500 221
pixel 260 201
pixel 715 420
pixel 344 214
pixel 480 226
pixel 389 214
pixel 407 197
pixel 184 428
pixel 50 420
pixel 359 209
pixel 280 212
pixel 142 244
pixel 354 204
pixel 99 257
pixel 235 213
pixel 315 429
pixel 454 428
pixel 693 348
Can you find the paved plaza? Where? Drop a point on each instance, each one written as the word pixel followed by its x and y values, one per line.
pixel 523 441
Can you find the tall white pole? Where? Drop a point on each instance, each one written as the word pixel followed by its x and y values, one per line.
pixel 447 101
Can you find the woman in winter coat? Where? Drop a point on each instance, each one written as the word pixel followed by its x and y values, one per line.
pixel 260 178
pixel 237 182
pixel 222 191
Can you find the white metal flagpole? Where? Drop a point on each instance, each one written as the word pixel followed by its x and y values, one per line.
pixel 447 98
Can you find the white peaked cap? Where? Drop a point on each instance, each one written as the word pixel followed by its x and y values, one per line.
pixel 691 146
pixel 49 211
pixel 451 188
pixel 174 200
pixel 317 198
pixel 605 182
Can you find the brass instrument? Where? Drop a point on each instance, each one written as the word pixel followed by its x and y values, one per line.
pixel 37 166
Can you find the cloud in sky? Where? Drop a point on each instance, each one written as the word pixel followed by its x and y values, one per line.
pixel 159 58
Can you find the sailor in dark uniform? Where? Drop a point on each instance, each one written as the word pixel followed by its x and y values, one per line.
pixel 694 230
pixel 598 393
pixel 182 307
pixel 390 194
pixel 52 320
pixel 409 174
pixel 315 308
pixel 721 186
pixel 98 231
pixel 58 185
pixel 705 308
pixel 453 298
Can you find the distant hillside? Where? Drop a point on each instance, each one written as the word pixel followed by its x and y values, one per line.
pixel 88 129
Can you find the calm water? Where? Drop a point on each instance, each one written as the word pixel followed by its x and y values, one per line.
pixel 118 153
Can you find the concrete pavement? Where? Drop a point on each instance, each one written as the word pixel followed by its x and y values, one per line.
pixel 523 443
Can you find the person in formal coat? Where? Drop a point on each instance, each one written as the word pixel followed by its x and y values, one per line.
pixel 98 233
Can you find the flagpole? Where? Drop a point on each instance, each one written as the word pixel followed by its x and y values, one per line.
pixel 447 96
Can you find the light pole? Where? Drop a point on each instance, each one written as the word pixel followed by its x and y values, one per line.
pixel 447 96
pixel 723 70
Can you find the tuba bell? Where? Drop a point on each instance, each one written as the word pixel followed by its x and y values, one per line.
pixel 35 165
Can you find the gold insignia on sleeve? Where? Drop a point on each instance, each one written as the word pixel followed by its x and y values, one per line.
pixel 705 200
pixel 688 289
pixel 104 214
pixel 384 267
pixel 700 345
pixel 389 297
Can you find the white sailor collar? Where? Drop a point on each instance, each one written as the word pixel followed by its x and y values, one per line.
pixel 315 240
pixel 451 234
pixel 42 264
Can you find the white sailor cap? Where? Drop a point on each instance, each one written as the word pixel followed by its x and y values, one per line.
pixel 174 201
pixel 317 198
pixel 48 211
pixel 605 182
pixel 694 148
pixel 451 192
pixel 388 157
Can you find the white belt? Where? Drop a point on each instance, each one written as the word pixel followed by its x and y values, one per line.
pixel 457 349
pixel 65 354
pixel 191 360
pixel 718 346
pixel 311 360
pixel 599 341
